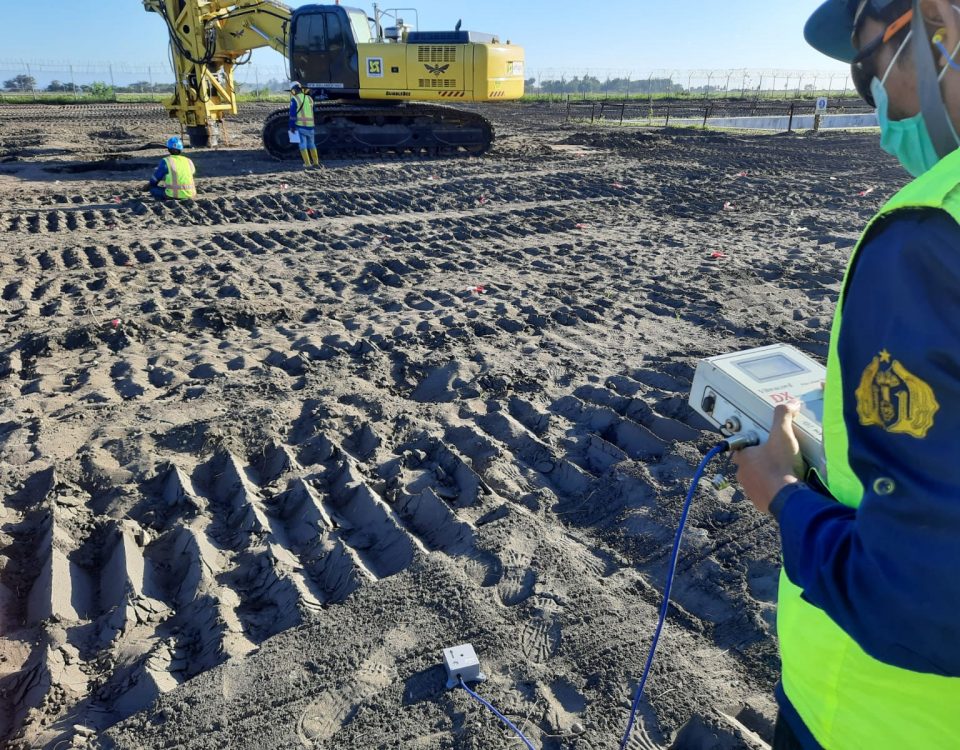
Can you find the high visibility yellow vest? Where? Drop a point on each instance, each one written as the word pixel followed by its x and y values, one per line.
pixel 178 182
pixel 847 699
pixel 304 110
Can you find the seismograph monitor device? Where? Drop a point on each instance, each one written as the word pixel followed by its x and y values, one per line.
pixel 739 392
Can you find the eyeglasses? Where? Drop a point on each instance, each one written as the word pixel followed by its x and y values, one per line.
pixel 862 73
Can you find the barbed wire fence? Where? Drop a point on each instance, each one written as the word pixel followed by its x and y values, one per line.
pixel 729 83
pixel 38 78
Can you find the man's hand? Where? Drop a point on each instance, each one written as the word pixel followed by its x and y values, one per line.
pixel 765 470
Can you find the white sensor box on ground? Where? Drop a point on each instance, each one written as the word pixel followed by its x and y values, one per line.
pixel 461 662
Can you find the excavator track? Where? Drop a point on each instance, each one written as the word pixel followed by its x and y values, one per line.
pixel 352 130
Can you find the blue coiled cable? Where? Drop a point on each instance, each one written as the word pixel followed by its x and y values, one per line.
pixel 698 475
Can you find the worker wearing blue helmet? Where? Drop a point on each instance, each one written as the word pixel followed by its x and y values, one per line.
pixel 174 176
pixel 869 603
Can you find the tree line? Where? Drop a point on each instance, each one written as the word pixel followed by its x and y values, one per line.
pixel 27 83
pixel 588 84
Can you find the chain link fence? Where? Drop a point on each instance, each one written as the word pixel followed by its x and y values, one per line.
pixel 706 84
pixel 39 78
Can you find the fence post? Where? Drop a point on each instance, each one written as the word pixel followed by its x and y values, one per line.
pixel 623 110
pixel 593 111
pixel 33 89
pixel 113 85
pixel 667 123
pixel 790 124
pixel 73 84
pixel 150 74
pixel 706 114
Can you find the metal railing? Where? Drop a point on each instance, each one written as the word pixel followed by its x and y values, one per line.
pixel 663 113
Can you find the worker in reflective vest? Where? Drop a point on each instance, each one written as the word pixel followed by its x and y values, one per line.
pixel 868 616
pixel 174 176
pixel 302 124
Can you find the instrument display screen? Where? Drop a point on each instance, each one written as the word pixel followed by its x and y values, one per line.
pixel 811 406
pixel 770 367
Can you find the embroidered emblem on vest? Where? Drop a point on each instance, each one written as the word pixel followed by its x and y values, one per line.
pixel 893 398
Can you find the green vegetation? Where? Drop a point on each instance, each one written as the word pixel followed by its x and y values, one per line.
pixel 108 94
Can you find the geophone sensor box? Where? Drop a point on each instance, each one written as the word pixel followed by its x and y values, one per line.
pixel 461 662
pixel 738 392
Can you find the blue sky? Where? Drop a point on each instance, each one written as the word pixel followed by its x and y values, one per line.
pixel 638 35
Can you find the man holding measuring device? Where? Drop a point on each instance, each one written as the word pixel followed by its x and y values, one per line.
pixel 868 614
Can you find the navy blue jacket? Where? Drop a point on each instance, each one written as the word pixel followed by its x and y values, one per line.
pixel 887 573
pixel 160 174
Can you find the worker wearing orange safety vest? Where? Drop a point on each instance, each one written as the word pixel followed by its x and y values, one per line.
pixel 174 177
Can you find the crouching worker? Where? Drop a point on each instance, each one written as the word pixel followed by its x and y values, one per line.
pixel 173 179
pixel 302 124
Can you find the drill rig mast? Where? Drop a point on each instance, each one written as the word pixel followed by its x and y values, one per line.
pixel 208 39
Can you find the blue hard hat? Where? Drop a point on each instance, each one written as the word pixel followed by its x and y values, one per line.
pixel 830 28
pixel 175 144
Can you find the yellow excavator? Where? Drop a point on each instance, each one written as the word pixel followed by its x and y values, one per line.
pixel 378 89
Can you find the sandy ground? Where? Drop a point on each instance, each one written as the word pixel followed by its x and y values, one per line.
pixel 264 455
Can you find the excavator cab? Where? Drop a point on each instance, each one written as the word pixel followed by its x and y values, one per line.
pixel 323 49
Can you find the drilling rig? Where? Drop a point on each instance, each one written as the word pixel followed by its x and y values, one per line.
pixel 378 89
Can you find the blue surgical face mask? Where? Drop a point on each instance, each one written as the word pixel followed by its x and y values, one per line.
pixel 908 139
